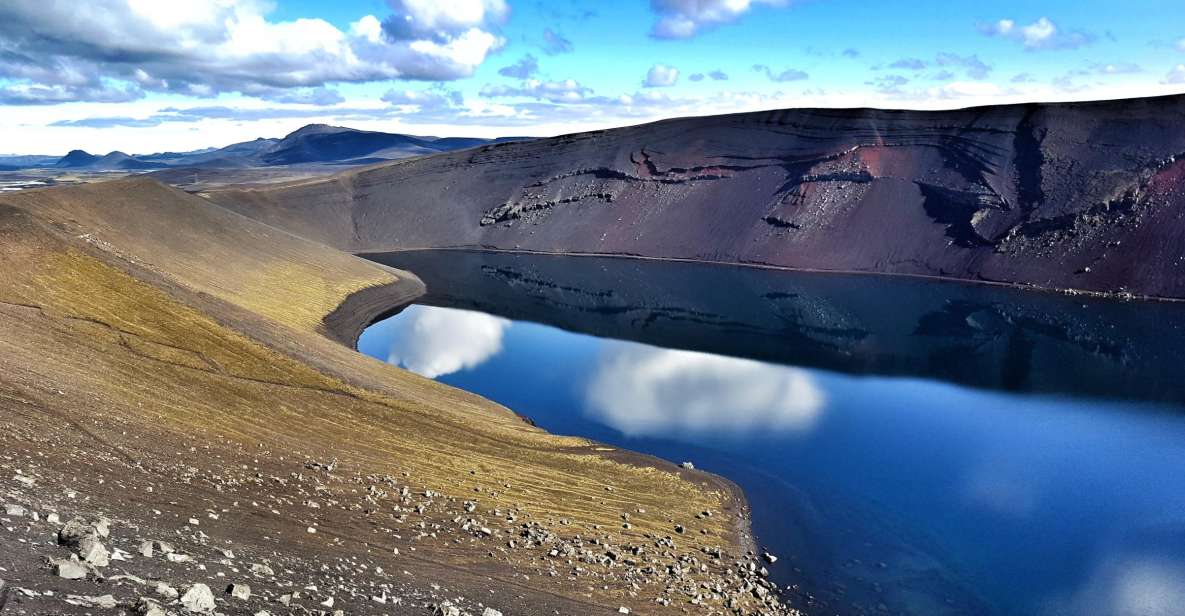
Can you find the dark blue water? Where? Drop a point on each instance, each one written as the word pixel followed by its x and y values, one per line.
pixel 907 447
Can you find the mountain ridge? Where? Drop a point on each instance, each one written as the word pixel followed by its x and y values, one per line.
pixel 1082 196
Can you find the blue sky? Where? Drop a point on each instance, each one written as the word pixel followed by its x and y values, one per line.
pixel 145 76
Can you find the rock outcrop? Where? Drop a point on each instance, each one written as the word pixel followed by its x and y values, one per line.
pixel 1084 196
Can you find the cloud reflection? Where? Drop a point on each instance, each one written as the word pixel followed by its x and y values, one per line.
pixel 437 341
pixel 647 391
pixel 1139 586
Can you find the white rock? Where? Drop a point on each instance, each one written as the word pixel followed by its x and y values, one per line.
pixel 69 568
pixel 489 611
pixel 198 599
pixel 15 511
pixel 239 591
pixel 94 553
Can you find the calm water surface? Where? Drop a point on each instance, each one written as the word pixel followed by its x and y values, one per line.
pixel 908 447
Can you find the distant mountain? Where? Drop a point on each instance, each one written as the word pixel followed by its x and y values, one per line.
pixel 76 159
pixel 317 143
pixel 23 161
pixel 312 144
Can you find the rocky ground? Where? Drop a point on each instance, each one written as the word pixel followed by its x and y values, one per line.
pixel 92 527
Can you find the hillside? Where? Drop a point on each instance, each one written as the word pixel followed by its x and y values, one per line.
pixel 188 375
pixel 1085 196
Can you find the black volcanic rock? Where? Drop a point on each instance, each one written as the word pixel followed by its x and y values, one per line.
pixel 1080 196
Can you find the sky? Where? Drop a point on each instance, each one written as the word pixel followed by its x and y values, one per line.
pixel 144 76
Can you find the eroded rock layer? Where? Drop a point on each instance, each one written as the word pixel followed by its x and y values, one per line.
pixel 1077 196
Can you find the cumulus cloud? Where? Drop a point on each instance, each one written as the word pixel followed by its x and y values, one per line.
pixel 424 99
pixel 525 68
pixel 114 50
pixel 1177 75
pixel 889 84
pixel 568 90
pixel 913 64
pixel 307 96
pixel 975 68
pixel 648 391
pixel 1116 68
pixel 661 76
pixel 1041 34
pixel 554 43
pixel 434 342
pixel 679 19
pixel 790 74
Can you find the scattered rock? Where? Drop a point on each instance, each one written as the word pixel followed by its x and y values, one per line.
pixel 688 465
pixel 69 568
pixel 94 553
pixel 15 511
pixel 239 591
pixel 74 531
pixel 769 557
pixel 167 592
pixel 149 607
pixel 446 608
pixel 198 599
pixel 489 611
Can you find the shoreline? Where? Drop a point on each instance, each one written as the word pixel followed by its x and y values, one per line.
pixel 362 309
pixel 1016 286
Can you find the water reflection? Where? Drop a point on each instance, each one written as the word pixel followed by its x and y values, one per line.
pixel 1052 487
pixel 438 341
pixel 647 391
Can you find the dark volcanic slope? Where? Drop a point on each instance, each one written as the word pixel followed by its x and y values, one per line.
pixel 1084 196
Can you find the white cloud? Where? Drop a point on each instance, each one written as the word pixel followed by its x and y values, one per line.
pixel 1175 76
pixel 1181 45
pixel 564 91
pixel 647 391
pixel 433 341
pixel 790 74
pixel 428 19
pixel 1041 34
pixel 685 18
pixel 661 76
pixel 966 89
pixel 59 51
